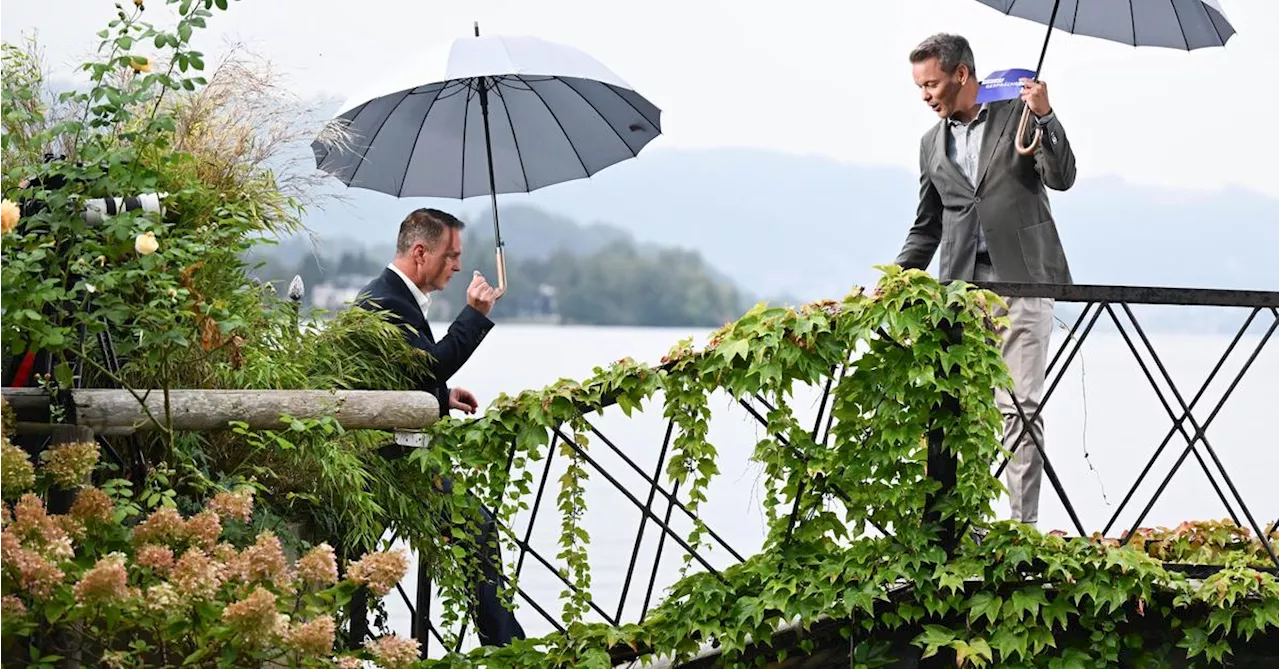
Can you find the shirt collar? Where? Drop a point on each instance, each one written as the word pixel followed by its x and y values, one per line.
pixel 423 299
pixel 982 115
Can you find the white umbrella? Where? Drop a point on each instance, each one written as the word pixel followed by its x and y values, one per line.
pixel 487 115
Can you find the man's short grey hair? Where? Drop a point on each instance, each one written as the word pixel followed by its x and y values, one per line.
pixel 951 51
pixel 426 226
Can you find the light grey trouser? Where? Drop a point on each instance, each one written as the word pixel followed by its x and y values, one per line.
pixel 1025 346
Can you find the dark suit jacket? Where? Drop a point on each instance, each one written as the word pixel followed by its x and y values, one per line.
pixel 388 292
pixel 1010 203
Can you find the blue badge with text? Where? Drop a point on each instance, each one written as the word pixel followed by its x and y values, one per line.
pixel 1002 85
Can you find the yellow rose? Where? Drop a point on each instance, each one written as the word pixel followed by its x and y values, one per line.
pixel 140 63
pixel 145 244
pixel 9 215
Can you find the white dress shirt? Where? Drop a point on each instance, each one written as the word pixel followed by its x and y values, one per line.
pixel 423 299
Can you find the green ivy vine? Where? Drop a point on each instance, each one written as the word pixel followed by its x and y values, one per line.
pixel 912 357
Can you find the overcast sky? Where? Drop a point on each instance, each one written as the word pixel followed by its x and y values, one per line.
pixel 826 78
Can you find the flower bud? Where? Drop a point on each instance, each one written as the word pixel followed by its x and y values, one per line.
pixel 145 244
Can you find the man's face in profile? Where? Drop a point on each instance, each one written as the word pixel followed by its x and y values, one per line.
pixel 440 263
pixel 938 89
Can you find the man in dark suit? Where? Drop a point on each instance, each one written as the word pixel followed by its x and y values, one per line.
pixel 428 253
pixel 984 209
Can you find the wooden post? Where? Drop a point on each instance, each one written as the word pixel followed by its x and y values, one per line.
pixel 118 411
pixel 941 464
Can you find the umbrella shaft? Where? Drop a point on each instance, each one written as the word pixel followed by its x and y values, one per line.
pixel 488 152
pixel 1053 17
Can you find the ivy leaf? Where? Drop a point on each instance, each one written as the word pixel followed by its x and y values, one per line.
pixel 1056 611
pixel 1008 643
pixel 1220 618
pixel 1026 600
pixel 974 650
pixel 738 348
pixel 1040 638
pixel 951 581
pixel 1071 659
pixel 934 638
pixel 985 604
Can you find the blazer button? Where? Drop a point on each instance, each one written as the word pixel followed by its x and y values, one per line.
pixel 977 200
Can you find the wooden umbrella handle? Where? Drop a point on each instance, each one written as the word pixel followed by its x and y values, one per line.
pixel 1030 148
pixel 502 269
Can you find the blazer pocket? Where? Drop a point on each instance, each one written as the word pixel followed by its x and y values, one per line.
pixel 1042 250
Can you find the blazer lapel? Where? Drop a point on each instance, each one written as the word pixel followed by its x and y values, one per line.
pixel 944 162
pixel 414 315
pixel 998 117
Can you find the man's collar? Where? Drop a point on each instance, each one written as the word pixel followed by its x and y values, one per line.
pixel 981 115
pixel 423 299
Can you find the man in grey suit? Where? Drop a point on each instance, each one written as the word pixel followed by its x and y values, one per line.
pixel 985 210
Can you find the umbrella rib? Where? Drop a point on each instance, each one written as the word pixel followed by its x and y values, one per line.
pixel 1075 16
pixel 365 158
pixel 652 122
pixel 515 139
pixel 1133 24
pixel 601 115
pixel 466 116
pixel 546 106
pixel 409 161
pixel 1183 31
pixel 1204 8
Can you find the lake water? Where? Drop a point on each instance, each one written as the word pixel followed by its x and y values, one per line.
pixel 1104 406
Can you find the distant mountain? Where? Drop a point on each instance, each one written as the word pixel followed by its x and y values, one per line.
pixel 532 232
pixel 811 227
pixel 592 275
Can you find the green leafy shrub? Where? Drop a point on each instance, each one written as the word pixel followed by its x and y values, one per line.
pixel 172 291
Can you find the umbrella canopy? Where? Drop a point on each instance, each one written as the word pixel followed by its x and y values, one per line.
pixel 1176 24
pixel 1180 24
pixel 487 115
pixel 555 114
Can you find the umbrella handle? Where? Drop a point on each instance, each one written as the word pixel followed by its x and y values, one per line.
pixel 1030 148
pixel 502 269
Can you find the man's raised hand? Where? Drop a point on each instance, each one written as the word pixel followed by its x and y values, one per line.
pixel 1036 96
pixel 480 295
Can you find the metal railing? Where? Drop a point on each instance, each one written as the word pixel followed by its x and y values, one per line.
pixel 1099 300
pixel 657 504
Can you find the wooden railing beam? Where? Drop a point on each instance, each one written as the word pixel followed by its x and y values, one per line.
pixel 116 411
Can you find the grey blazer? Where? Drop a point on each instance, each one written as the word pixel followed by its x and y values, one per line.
pixel 1010 203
